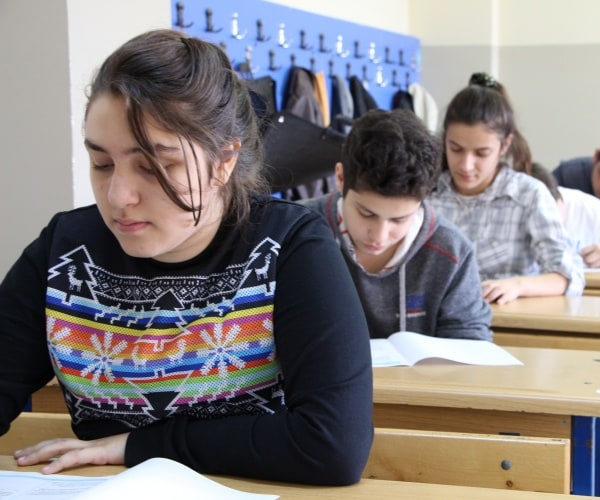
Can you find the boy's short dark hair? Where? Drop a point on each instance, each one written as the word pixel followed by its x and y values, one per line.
pixel 391 153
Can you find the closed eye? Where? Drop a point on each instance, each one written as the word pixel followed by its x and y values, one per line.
pixel 101 166
pixel 366 215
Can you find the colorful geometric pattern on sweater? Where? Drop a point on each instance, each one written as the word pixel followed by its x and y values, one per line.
pixel 140 350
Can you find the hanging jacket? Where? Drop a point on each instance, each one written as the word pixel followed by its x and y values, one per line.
pixel 300 96
pixel 342 105
pixel 402 100
pixel 424 105
pixel 363 100
pixel 301 100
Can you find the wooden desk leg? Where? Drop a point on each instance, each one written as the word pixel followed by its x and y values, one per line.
pixel 584 450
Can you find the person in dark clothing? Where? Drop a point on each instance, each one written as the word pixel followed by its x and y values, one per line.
pixel 185 314
pixel 581 173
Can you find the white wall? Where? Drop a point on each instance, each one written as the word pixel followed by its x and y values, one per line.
pixel 48 52
pixel 388 15
pixel 544 51
pixel 95 30
pixel 550 53
pixel 35 128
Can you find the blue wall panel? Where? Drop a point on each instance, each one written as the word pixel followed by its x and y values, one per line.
pixel 268 38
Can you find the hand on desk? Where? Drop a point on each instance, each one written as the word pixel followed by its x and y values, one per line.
pixel 501 291
pixel 591 255
pixel 68 453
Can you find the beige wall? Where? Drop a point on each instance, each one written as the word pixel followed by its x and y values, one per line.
pixel 48 52
pixel 35 121
pixel 544 51
pixel 91 41
pixel 388 15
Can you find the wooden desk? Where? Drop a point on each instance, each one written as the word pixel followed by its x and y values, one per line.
pixel 554 394
pixel 367 489
pixel 592 283
pixel 49 399
pixel 559 322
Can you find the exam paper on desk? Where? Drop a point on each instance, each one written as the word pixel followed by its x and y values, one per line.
pixel 157 478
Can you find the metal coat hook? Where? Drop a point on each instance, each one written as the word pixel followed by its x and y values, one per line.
pixel 357 54
pixel 282 41
pixel 331 66
pixel 322 47
pixel 339 47
pixel 401 55
pixel 179 22
pixel 395 82
pixel 416 61
pixel 387 56
pixel 372 57
pixel 348 71
pixel 379 80
pixel 365 78
pixel 272 66
pixel 293 60
pixel 209 24
pixel 245 68
pixel 303 44
pixel 235 27
pixel 313 66
pixel 260 37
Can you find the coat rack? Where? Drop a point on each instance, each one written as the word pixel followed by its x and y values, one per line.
pixel 263 38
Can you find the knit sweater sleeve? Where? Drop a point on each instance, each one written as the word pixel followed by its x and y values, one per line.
pixel 24 361
pixel 324 434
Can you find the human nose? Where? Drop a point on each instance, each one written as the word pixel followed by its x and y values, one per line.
pixel 468 162
pixel 122 189
pixel 377 231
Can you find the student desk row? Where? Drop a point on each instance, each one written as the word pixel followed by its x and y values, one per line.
pixel 366 489
pixel 592 283
pixel 553 394
pixel 560 322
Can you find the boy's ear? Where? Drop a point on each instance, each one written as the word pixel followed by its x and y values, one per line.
pixel 597 156
pixel 224 169
pixel 339 177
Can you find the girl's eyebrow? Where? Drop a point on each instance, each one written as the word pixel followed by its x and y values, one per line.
pixel 454 143
pixel 158 147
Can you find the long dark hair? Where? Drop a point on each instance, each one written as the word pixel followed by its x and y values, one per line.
pixel 486 101
pixel 189 88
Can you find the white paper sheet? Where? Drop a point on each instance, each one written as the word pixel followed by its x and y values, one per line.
pixel 408 348
pixel 157 478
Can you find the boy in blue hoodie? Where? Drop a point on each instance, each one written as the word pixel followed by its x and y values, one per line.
pixel 413 269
